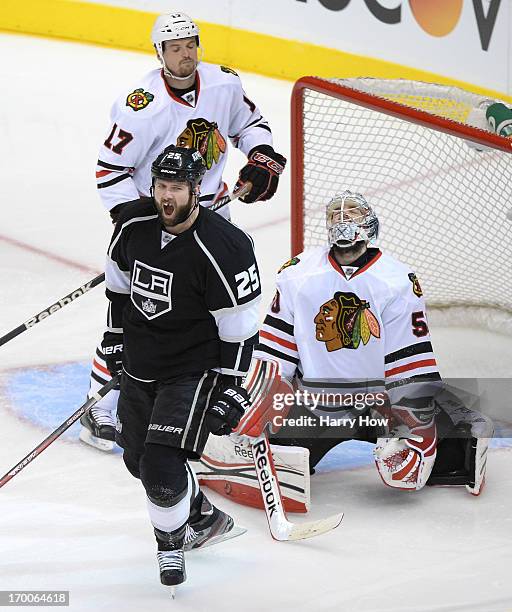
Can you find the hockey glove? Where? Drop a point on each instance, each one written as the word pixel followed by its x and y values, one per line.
pixel 405 457
pixel 263 169
pixel 112 346
pixel 229 402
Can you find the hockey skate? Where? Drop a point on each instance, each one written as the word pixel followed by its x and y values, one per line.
pixel 98 429
pixel 171 558
pixel 172 568
pixel 212 527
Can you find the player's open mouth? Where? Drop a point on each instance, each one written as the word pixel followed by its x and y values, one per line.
pixel 168 209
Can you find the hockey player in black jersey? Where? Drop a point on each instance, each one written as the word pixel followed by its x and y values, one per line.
pixel 184 293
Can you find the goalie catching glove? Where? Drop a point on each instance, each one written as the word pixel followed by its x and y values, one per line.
pixel 406 458
pixel 264 166
pixel 229 402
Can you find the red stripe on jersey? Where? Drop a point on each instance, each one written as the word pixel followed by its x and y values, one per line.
pixel 101 368
pixel 411 366
pixel 180 100
pixel 370 263
pixel 335 265
pixel 103 173
pixel 280 341
pixel 339 269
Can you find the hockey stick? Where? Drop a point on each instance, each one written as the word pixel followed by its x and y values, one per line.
pixel 70 297
pixel 59 431
pixel 280 527
pixel 230 196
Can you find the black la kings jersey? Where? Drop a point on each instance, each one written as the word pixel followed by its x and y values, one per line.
pixel 184 303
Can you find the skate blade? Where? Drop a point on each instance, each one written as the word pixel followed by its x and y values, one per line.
pixel 102 445
pixel 233 533
pixel 172 591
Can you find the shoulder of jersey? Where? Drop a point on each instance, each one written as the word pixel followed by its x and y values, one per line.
pixel 222 236
pixel 308 260
pixel 137 209
pixel 394 272
pixel 145 98
pixel 211 74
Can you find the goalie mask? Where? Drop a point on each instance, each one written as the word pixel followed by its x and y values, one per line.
pixel 350 219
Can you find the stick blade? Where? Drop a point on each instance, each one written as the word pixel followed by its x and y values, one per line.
pixel 302 531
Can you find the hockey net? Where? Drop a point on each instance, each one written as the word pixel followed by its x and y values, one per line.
pixel 440 182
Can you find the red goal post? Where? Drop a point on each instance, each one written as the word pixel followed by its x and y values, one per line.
pixel 421 153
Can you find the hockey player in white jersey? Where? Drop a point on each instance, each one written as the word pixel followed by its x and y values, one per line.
pixel 348 326
pixel 187 103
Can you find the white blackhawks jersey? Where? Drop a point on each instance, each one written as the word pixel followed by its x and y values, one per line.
pixel 148 117
pixel 350 328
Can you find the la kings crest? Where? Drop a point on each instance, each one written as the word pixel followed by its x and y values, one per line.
pixel 151 290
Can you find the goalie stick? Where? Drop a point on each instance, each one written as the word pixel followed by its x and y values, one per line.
pixel 59 431
pixel 67 299
pixel 280 527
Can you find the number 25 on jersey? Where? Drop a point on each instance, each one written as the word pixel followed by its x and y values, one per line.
pixel 247 282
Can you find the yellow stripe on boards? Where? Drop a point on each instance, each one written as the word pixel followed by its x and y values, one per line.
pixel 125 28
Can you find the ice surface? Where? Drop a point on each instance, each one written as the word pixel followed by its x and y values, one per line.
pixel 75 519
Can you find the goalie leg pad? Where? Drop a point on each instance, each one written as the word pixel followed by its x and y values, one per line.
pixel 227 467
pixel 462 457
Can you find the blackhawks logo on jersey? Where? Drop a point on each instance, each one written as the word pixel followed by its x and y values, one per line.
pixel 416 287
pixel 344 321
pixel 139 99
pixel 291 262
pixel 204 136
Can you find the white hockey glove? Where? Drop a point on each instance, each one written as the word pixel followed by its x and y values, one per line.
pixel 405 459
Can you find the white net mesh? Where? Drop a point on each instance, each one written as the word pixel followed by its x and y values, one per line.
pixel 442 204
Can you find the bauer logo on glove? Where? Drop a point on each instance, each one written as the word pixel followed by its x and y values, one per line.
pixel 226 408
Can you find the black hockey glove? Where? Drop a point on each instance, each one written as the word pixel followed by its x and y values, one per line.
pixel 228 404
pixel 263 169
pixel 112 346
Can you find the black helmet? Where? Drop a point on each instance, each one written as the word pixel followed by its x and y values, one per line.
pixel 179 164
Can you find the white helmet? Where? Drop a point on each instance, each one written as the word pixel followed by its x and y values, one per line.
pixel 172 26
pixel 346 228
